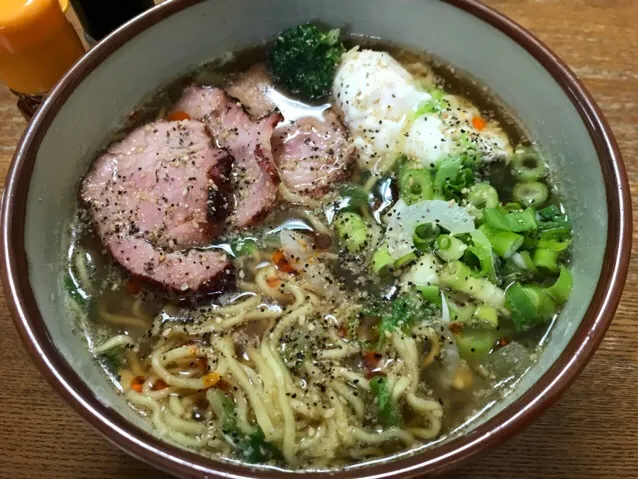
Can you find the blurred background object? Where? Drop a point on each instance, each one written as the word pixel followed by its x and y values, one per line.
pixel 38 45
pixel 101 17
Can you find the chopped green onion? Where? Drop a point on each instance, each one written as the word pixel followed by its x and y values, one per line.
pixel 481 252
pixel 553 245
pixel 546 260
pixel 516 221
pixel 474 343
pixel 529 242
pixel 524 311
pixel 530 306
pixel 527 165
pixel 389 414
pixel 549 213
pixel 405 260
pixel 546 306
pixel 449 248
pixel 462 314
pixel 415 185
pixel 244 247
pixel 531 193
pixel 562 288
pixel 509 207
pixel 452 177
pixel 436 104
pixel 487 315
pixel 458 277
pixel 353 198
pixel 431 294
pixel 483 195
pixel 352 231
pixel 504 243
pixel 525 261
pixel 381 260
pixel 425 235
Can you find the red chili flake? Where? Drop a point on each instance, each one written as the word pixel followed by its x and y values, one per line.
pixel 159 385
pixel 222 385
pixel 323 241
pixel 372 364
pixel 456 328
pixel 178 116
pixel 342 330
pixel 133 286
pixel 279 260
pixel 503 342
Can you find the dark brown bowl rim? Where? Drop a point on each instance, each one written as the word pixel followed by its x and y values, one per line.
pixel 180 462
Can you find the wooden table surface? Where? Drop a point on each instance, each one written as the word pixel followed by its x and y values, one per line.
pixel 591 433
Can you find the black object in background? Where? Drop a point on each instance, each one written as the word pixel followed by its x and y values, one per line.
pixel 101 17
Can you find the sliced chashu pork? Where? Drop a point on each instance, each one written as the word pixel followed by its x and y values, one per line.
pixel 311 154
pixel 311 149
pixel 157 193
pixel 254 175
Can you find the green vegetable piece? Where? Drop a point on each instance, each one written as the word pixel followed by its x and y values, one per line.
pixel 480 254
pixel 353 198
pixel 449 248
pixel 424 236
pixel 483 195
pixel 527 165
pixel 75 292
pixel 462 314
pixel 562 288
pixel 525 314
pixel 530 306
pixel 431 294
pixel 252 444
pixel 389 414
pixel 531 193
pixel 553 244
pixel 546 260
pixel 436 104
pixel 504 243
pixel 475 344
pixel 405 260
pixel 415 185
pixel 550 213
pixel 516 221
pixel 486 315
pixel 402 312
pixel 452 176
pixel 304 60
pixel 458 277
pixel 244 247
pixel 546 306
pixel 510 207
pixel 382 262
pixel 256 449
pixel 113 360
pixel 352 231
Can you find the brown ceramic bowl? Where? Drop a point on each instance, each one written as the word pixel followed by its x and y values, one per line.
pixel 87 105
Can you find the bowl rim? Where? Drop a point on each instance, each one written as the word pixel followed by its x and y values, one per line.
pixel 151 449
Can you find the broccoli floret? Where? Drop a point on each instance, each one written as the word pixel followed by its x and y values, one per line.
pixel 304 59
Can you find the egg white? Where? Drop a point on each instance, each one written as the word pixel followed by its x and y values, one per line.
pixel 378 98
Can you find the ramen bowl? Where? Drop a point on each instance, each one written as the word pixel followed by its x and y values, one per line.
pixel 87 107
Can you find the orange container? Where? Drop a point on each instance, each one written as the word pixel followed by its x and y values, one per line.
pixel 37 45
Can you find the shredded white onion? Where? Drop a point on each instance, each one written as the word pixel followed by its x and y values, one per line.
pixel 450 353
pixel 402 220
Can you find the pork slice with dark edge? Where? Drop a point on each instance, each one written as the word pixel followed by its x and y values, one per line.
pixel 312 154
pixel 311 148
pixel 155 196
pixel 255 177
